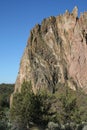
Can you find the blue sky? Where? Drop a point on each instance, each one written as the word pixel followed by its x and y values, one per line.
pixel 17 18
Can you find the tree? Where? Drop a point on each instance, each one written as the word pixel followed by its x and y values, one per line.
pixel 28 107
pixel 71 112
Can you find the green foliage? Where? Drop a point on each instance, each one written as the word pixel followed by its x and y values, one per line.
pixel 16 109
pixel 63 106
pixel 19 108
pixel 26 88
pixel 31 103
pixel 28 107
pixel 71 105
pixel 71 112
pixel 5 92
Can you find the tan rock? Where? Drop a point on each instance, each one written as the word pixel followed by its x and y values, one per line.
pixel 56 53
pixel 75 12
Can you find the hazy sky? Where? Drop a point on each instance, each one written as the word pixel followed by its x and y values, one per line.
pixel 17 17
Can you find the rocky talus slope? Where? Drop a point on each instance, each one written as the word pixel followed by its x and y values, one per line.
pixel 56 52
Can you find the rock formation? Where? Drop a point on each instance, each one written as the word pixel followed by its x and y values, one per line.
pixel 56 53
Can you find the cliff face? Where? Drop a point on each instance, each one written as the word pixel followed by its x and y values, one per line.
pixel 56 53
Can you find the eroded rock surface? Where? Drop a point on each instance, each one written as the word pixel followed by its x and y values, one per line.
pixel 56 53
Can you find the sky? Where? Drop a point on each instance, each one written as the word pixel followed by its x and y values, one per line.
pixel 17 18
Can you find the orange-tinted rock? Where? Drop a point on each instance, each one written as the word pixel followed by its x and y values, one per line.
pixel 56 53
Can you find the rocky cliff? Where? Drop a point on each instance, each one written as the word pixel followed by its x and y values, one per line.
pixel 56 53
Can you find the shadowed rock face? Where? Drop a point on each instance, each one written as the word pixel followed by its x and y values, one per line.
pixel 56 52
